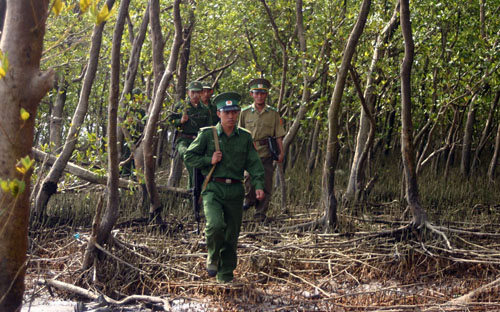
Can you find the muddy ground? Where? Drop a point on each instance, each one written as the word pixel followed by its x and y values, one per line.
pixel 281 268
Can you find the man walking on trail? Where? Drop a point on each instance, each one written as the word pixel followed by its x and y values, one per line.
pixel 206 95
pixel 224 152
pixel 188 118
pixel 264 122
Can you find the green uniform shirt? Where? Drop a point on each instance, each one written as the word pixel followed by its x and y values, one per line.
pixel 262 125
pixel 199 117
pixel 213 112
pixel 238 155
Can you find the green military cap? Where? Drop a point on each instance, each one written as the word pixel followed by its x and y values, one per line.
pixel 259 85
pixel 195 86
pixel 227 101
pixel 207 85
pixel 136 91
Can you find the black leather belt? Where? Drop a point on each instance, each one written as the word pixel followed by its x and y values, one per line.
pixel 188 136
pixel 226 180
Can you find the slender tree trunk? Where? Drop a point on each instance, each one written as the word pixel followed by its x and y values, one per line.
pixel 21 89
pixel 332 150
pixel 133 65
pixel 177 165
pixel 306 93
pixel 149 163
pixel 407 150
pixel 486 131
pixel 49 185
pixel 467 139
pixel 284 52
pixel 314 147
pixel 157 42
pixel 111 213
pixel 356 178
pixel 56 116
pixel 482 23
pixel 494 158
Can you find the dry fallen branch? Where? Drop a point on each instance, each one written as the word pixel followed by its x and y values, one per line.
pixel 94 296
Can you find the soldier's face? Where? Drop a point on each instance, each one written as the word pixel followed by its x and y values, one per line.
pixel 259 98
pixel 194 96
pixel 228 118
pixel 206 94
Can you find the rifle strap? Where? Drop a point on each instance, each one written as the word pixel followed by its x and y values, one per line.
pixel 217 148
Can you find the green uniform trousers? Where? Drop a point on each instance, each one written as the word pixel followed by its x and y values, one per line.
pixel 223 206
pixel 263 205
pixel 182 145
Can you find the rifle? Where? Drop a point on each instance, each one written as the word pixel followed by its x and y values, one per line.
pixel 198 181
pixel 174 144
pixel 273 148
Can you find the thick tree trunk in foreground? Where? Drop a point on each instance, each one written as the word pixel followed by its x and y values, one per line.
pixel 49 184
pixel 407 151
pixel 154 113
pixel 332 147
pixel 22 88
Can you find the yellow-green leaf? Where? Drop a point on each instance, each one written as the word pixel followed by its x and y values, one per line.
pixel 104 14
pixel 17 187
pixel 5 64
pixel 5 185
pixel 22 170
pixel 24 114
pixel 84 5
pixel 27 162
pixel 57 7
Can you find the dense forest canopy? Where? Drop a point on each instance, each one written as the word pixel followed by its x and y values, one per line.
pixel 456 59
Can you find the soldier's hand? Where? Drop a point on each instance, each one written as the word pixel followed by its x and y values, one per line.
pixel 184 118
pixel 281 157
pixel 216 157
pixel 259 194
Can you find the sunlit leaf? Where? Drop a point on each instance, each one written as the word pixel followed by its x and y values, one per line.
pixel 84 5
pixel 22 170
pixel 58 7
pixel 27 162
pixel 4 185
pixel 104 14
pixel 4 67
pixel 24 114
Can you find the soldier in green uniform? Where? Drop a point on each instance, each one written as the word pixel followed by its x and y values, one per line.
pixel 224 193
pixel 188 118
pixel 206 96
pixel 262 121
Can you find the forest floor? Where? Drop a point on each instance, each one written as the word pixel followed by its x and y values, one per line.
pixel 280 268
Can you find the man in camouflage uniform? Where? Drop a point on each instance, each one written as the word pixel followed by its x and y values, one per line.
pixel 224 193
pixel 206 98
pixel 188 118
pixel 262 121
